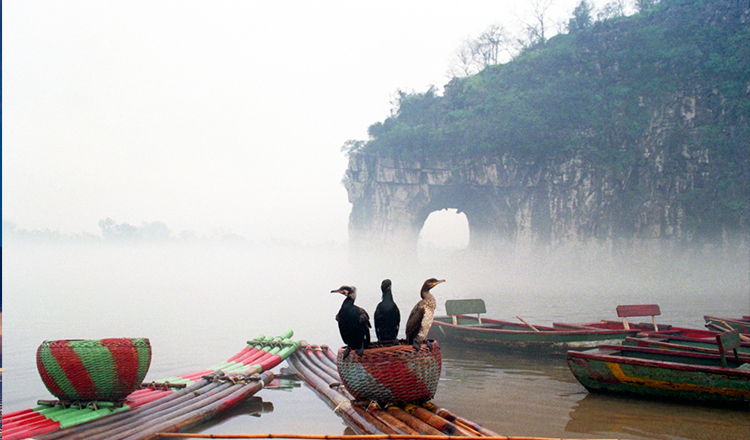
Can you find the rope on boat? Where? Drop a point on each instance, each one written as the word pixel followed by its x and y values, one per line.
pixel 233 378
pixel 166 385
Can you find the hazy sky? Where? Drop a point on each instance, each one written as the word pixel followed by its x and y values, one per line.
pixel 221 115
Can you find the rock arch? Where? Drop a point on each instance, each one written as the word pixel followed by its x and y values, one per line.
pixel 392 198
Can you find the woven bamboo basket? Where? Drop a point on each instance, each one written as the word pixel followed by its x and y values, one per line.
pixel 394 373
pixel 103 369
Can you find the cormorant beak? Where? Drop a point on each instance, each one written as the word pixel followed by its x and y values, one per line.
pixel 341 291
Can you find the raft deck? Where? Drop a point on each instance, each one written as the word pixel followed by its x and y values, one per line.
pixel 316 364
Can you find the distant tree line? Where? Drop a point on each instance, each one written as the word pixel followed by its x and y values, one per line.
pixel 113 232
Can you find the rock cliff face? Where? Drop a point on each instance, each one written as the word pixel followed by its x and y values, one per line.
pixel 509 202
pixel 635 132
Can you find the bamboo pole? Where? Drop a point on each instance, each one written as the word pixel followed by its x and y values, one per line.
pixel 201 400
pixel 330 354
pixel 319 369
pixel 192 417
pixel 338 402
pixel 107 423
pixel 136 417
pixel 322 360
pixel 413 422
pixel 397 425
pixel 439 423
pixel 468 424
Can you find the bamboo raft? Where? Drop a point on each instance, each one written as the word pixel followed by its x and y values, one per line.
pixel 317 366
pixel 175 404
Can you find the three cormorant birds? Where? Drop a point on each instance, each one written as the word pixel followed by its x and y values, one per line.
pixel 387 316
pixel 354 322
pixel 420 318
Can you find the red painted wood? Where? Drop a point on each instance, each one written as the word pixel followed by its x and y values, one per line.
pixel 638 310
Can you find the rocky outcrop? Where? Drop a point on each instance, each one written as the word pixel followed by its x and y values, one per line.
pixel 510 202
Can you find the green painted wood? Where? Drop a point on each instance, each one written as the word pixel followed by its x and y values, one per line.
pixel 516 336
pixel 464 306
pixel 615 371
pixel 726 342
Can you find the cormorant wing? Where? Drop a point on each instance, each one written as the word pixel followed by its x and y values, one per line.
pixel 364 318
pixel 414 323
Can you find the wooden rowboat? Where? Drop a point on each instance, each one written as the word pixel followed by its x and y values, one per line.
pixel 676 342
pixel 726 324
pixel 650 328
pixel 689 377
pixel 173 404
pixel 460 327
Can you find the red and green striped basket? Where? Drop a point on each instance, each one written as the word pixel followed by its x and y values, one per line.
pixel 396 373
pixel 101 369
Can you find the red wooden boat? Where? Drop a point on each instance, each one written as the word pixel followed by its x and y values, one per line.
pixel 652 328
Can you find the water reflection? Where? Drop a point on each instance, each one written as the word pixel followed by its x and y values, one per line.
pixel 624 417
pixel 252 407
pixel 536 395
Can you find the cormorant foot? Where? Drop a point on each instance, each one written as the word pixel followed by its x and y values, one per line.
pixel 429 344
pixel 346 352
pixel 360 351
pixel 416 346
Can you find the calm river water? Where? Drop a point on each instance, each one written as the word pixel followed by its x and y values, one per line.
pixel 198 304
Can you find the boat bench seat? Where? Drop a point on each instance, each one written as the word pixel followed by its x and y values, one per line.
pixel 728 341
pixel 455 307
pixel 625 311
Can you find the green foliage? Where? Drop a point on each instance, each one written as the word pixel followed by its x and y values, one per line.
pixel 600 91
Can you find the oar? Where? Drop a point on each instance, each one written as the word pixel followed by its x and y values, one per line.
pixel 742 336
pixel 716 326
pixel 530 326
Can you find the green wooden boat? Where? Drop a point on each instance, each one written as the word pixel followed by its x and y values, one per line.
pixel 460 327
pixel 688 377
pixel 725 324
pixel 701 345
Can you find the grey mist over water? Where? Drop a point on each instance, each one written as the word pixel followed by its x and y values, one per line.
pixel 199 303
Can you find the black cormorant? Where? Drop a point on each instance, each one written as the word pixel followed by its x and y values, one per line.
pixel 387 316
pixel 354 322
pixel 420 318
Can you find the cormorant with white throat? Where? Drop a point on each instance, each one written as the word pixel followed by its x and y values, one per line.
pixel 387 315
pixel 354 322
pixel 420 318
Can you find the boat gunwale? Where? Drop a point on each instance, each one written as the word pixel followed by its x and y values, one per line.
pixel 542 329
pixel 605 353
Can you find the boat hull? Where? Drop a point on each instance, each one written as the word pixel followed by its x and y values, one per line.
pixel 725 324
pixel 681 377
pixel 511 336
